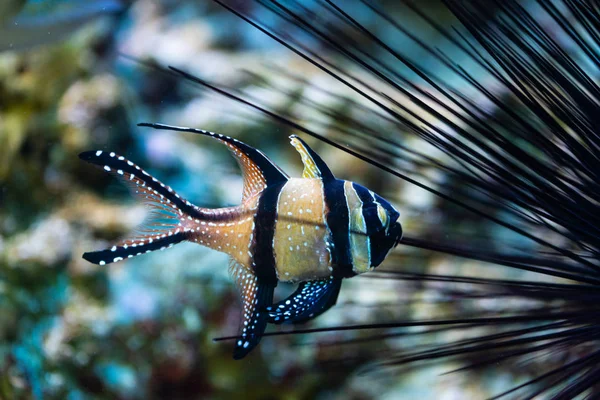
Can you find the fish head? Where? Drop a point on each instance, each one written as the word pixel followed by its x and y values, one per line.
pixel 379 221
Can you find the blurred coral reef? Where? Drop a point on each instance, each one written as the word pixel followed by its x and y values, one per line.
pixel 144 328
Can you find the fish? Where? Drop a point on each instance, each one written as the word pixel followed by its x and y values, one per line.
pixel 315 231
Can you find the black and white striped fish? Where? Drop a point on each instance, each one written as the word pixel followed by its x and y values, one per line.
pixel 314 230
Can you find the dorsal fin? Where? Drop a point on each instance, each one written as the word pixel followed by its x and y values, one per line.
pixel 314 166
pixel 257 169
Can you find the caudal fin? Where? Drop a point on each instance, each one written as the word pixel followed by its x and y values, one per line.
pixel 162 229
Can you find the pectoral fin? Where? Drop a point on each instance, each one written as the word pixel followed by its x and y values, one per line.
pixel 310 300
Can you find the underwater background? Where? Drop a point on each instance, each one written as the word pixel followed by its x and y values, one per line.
pixel 80 75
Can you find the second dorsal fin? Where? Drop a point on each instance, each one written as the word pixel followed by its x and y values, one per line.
pixel 258 170
pixel 314 166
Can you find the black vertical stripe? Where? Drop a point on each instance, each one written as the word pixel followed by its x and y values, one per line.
pixel 263 255
pixel 337 221
pixel 369 209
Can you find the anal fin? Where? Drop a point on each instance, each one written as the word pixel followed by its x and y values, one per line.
pixel 256 296
pixel 310 300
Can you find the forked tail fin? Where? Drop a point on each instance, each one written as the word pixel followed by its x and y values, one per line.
pixel 162 229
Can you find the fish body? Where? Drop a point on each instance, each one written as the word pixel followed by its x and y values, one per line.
pixel 314 230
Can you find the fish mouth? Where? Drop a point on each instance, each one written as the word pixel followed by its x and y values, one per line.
pixel 400 234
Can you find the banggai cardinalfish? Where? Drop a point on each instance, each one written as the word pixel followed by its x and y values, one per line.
pixel 315 230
